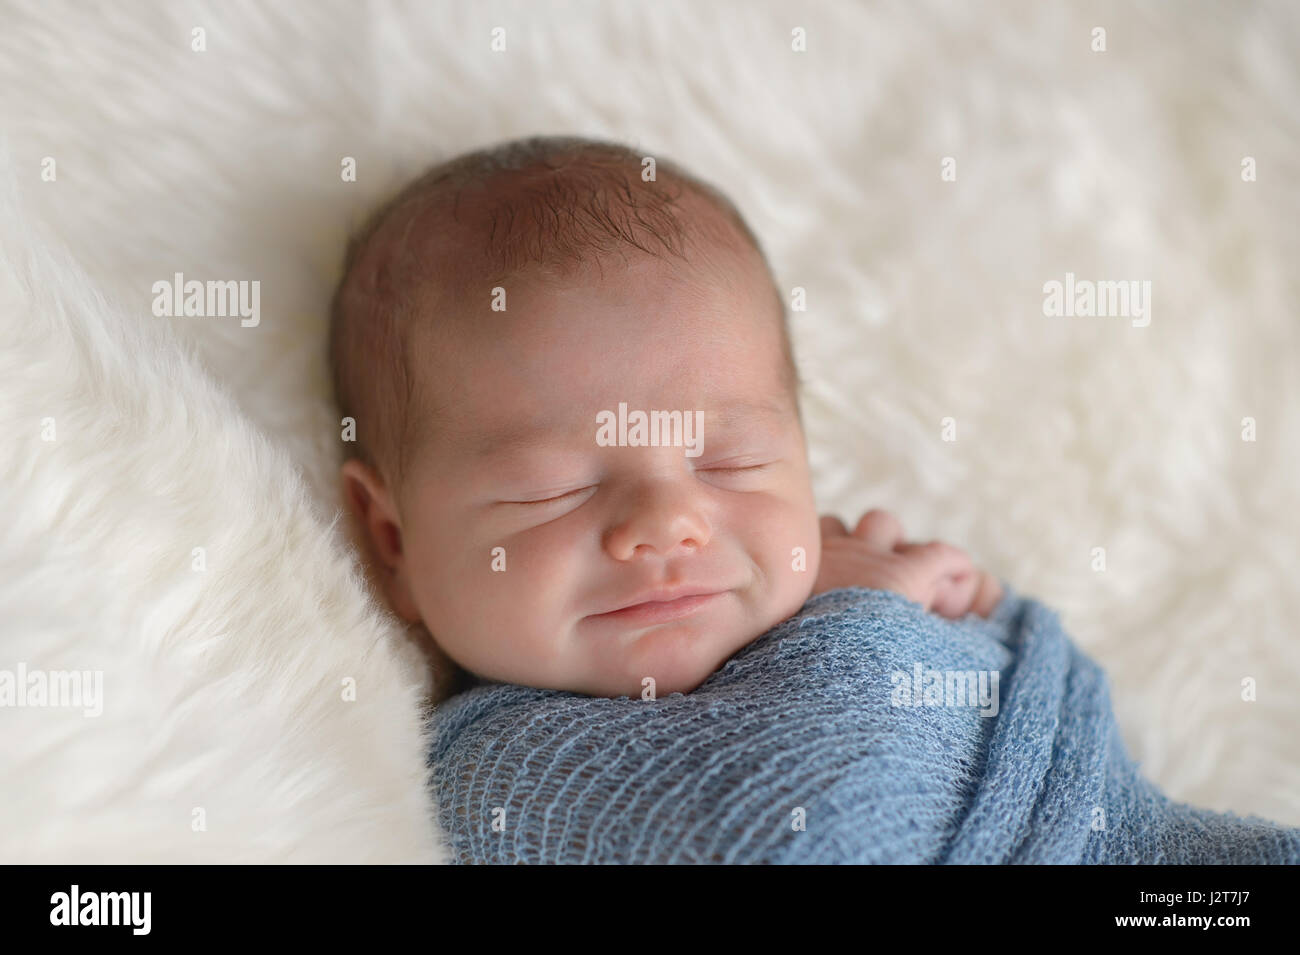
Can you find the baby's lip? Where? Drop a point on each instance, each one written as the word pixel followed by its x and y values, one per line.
pixel 652 612
pixel 665 595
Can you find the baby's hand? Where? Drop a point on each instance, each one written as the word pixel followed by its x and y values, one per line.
pixel 936 575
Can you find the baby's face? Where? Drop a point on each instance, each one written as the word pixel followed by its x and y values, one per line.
pixel 521 533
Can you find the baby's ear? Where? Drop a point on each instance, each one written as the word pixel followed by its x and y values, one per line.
pixel 371 506
pixel 378 535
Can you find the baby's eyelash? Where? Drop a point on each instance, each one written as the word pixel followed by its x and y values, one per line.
pixel 752 467
pixel 550 500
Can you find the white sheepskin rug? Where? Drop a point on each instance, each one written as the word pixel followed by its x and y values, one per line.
pixel 920 170
pixel 250 704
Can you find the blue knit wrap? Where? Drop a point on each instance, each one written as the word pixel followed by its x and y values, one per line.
pixel 841 735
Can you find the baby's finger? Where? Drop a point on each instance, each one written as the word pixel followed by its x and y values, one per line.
pixel 989 595
pixel 956 595
pixel 935 560
pixel 832 526
pixel 880 529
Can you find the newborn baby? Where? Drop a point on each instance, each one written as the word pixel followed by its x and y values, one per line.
pixel 580 467
pixel 494 320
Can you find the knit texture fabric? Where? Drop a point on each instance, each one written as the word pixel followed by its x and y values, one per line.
pixel 853 732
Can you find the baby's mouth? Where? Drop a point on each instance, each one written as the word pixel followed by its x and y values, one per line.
pixel 661 610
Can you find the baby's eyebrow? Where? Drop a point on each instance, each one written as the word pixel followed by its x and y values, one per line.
pixel 530 435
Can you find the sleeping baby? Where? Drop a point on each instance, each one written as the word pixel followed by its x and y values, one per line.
pixel 580 470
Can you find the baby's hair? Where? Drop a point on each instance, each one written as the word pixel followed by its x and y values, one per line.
pixel 571 203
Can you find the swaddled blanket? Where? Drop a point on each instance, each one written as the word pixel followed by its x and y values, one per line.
pixel 861 730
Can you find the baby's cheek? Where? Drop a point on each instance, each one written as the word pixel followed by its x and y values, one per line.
pixel 521 597
pixel 810 531
pixel 785 541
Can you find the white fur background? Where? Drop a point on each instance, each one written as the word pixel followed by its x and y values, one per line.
pixel 924 302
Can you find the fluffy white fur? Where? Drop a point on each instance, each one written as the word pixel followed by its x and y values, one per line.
pixel 924 302
pixel 255 706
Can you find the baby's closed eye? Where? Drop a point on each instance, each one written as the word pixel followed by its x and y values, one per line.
pixel 553 498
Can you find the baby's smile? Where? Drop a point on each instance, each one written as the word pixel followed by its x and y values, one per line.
pixel 660 605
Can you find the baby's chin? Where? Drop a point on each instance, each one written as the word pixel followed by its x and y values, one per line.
pixel 674 657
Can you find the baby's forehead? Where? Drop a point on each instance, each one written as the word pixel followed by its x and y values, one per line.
pixel 641 322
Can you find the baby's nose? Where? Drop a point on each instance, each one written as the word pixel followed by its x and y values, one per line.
pixel 658 519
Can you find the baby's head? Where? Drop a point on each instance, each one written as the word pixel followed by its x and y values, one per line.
pixel 487 317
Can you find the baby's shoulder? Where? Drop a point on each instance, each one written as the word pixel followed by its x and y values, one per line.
pixel 861 635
